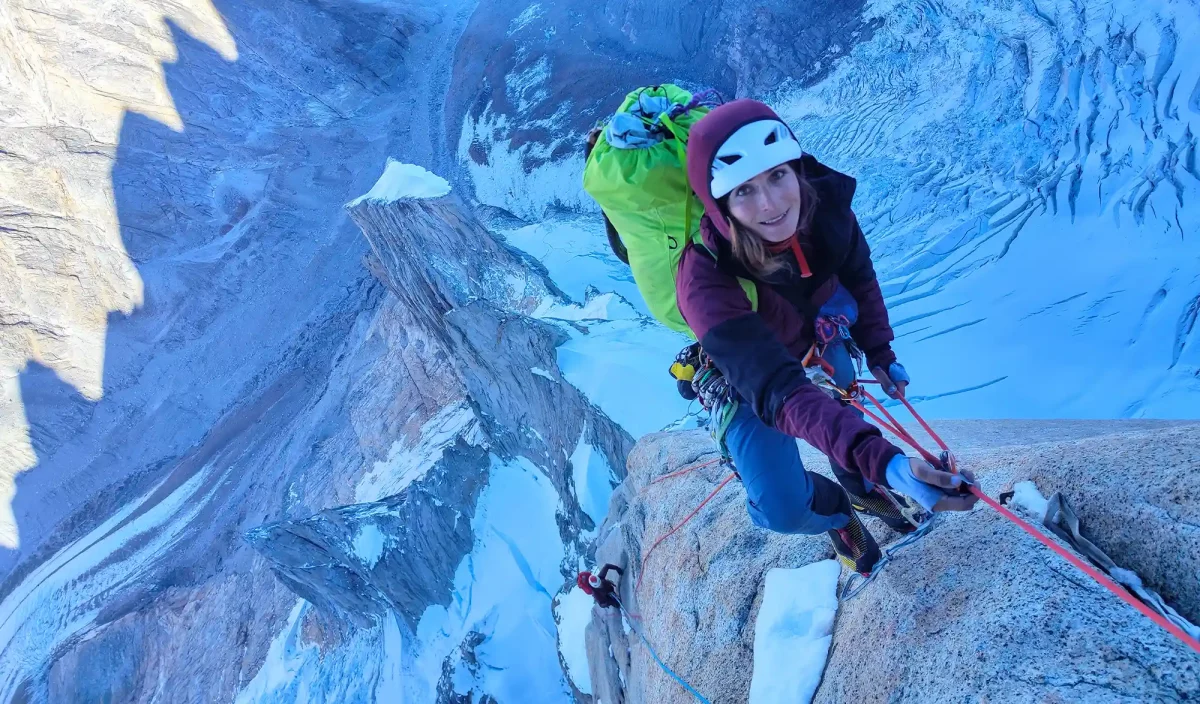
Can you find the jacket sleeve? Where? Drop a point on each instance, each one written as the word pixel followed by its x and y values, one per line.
pixel 872 332
pixel 764 373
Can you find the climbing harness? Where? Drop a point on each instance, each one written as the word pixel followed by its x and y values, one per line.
pixel 683 370
pixel 854 396
pixel 650 648
pixel 698 378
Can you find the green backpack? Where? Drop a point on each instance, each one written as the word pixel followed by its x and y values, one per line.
pixel 637 173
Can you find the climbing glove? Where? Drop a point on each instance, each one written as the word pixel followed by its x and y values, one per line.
pixel 894 380
pixel 934 489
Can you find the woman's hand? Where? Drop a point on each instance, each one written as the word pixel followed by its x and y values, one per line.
pixel 894 380
pixel 934 489
pixel 958 497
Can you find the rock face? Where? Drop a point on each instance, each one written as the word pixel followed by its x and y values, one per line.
pixel 336 561
pixel 976 606
pixel 193 347
pixel 466 292
pixel 145 147
pixel 195 352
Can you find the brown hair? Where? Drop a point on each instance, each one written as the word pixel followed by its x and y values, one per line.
pixel 749 249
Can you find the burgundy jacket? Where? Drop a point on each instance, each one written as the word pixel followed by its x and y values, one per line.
pixel 760 351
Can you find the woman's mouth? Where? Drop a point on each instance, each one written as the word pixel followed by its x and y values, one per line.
pixel 775 221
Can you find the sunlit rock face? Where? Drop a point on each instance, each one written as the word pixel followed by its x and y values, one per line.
pixel 190 343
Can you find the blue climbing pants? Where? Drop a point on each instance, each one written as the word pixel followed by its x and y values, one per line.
pixel 781 495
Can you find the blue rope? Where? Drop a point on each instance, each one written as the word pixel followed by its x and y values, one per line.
pixel 633 627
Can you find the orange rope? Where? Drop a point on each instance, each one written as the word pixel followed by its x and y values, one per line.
pixel 1103 579
pixel 668 534
pixel 684 471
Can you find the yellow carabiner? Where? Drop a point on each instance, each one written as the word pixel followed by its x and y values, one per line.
pixel 683 372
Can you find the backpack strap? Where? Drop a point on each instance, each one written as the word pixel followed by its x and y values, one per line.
pixel 681 152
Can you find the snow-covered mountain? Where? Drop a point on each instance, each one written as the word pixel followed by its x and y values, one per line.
pixel 256 446
pixel 531 78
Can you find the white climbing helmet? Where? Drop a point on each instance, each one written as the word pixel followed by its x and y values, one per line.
pixel 751 150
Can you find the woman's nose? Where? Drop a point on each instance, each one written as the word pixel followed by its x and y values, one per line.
pixel 766 199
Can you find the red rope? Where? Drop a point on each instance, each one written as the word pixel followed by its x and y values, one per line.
pixel 883 409
pixel 1095 574
pixel 668 534
pixel 684 471
pixel 1103 579
pixel 897 430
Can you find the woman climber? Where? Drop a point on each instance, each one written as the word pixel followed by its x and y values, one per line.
pixel 782 219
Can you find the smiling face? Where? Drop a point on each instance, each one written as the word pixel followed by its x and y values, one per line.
pixel 768 204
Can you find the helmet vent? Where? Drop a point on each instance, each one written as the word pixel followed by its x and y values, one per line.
pixel 731 159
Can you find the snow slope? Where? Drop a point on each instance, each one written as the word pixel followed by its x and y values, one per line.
pixel 616 355
pixel 574 610
pixel 503 592
pixel 1028 182
pixel 501 606
pixel 35 619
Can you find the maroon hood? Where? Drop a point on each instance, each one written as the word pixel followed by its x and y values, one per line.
pixel 707 136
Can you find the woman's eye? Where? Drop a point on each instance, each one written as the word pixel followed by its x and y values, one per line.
pixel 742 192
pixel 776 175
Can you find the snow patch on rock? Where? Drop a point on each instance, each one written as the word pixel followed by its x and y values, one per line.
pixel 573 611
pixel 793 633
pixel 1027 497
pixel 369 544
pixel 406 464
pixel 593 478
pixel 502 591
pixel 404 182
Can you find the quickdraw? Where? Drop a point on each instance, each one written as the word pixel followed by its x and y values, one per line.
pixel 698 378
pixel 856 582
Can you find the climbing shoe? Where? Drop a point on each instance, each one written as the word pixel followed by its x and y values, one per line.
pixel 897 511
pixel 855 546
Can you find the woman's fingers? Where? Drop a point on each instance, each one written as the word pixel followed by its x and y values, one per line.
pixel 956 502
pixel 925 472
pixel 956 498
pixel 889 387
